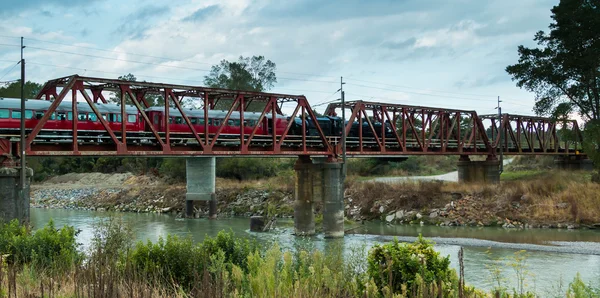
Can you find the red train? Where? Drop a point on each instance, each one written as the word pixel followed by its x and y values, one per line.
pixel 61 121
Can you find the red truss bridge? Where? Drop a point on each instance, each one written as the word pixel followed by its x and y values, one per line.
pixel 72 117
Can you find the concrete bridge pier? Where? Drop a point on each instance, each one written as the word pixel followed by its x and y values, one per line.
pixel 304 209
pixel 200 175
pixel 319 180
pixel 333 199
pixel 470 171
pixel 575 162
pixel 14 203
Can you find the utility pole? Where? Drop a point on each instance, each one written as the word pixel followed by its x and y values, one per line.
pixel 343 124
pixel 501 136
pixel 23 184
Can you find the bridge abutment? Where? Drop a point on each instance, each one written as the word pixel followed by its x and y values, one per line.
pixel 470 171
pixel 573 163
pixel 200 176
pixel 318 180
pixel 14 202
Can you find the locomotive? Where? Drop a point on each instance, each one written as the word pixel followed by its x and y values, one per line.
pixel 61 121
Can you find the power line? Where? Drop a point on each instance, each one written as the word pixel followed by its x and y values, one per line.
pixel 420 89
pixel 162 65
pixel 13 67
pixel 9 45
pixel 154 77
pixel 158 57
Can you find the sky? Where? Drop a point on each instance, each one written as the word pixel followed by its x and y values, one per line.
pixel 435 53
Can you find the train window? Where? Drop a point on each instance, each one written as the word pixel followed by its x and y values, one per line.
pixel 4 114
pixel 39 115
pixel 119 119
pixel 194 120
pixel 82 117
pixel 93 117
pixel 104 116
pixel 156 119
pixel 16 114
pixel 178 120
pixel 201 121
pixel 170 120
pixel 53 116
pixel 70 116
pixel 28 114
pixel 61 116
pixel 131 118
pixel 216 122
pixel 230 122
pixel 236 122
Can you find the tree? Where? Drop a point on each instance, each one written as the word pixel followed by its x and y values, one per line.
pixel 247 74
pixel 564 70
pixel 152 99
pixel 13 90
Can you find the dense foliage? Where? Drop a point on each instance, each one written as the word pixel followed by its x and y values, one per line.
pixel 395 264
pixel 564 70
pixel 221 266
pixel 48 247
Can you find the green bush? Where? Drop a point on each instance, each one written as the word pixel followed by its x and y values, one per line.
pixel 394 264
pixel 46 248
pixel 182 261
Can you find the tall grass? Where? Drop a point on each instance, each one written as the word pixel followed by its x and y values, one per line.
pixel 225 266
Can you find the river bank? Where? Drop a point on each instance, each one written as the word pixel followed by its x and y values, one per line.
pixel 550 200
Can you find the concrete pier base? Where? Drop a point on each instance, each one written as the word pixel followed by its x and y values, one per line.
pixel 200 176
pixel 14 203
pixel 574 163
pixel 333 199
pixel 478 171
pixel 304 210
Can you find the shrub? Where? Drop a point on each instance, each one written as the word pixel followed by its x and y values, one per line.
pixel 48 247
pixel 395 264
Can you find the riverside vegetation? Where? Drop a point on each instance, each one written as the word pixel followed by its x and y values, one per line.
pixel 49 263
pixel 530 194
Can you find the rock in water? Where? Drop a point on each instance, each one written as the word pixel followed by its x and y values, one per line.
pixel 390 217
pixel 257 223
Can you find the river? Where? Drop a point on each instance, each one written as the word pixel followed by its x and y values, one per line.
pixel 552 255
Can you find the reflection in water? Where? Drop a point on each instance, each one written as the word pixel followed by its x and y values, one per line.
pixel 545 268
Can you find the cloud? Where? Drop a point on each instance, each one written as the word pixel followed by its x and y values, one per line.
pixel 202 13
pixel 9 7
pixel 139 21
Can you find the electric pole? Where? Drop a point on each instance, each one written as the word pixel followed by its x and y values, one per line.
pixel 500 136
pixel 23 184
pixel 343 125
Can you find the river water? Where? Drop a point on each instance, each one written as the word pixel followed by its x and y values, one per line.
pixel 552 255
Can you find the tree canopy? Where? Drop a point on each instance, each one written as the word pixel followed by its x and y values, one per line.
pixel 564 70
pixel 13 90
pixel 247 74
pixel 153 99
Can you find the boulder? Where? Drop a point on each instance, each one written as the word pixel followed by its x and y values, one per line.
pixel 390 218
pixel 399 214
pixel 433 214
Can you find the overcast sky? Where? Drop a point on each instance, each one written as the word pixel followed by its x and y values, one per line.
pixel 446 53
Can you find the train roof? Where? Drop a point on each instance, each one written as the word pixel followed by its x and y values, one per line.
pixel 64 106
pixel 219 114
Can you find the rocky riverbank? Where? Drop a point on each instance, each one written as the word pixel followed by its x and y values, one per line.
pixel 444 204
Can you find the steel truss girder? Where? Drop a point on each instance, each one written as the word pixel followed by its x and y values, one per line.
pixel 414 129
pixel 91 89
pixel 535 135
